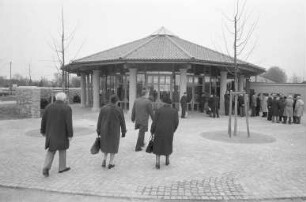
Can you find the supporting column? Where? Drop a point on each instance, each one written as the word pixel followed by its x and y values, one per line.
pixel 83 89
pixel 132 87
pixel 241 83
pixel 183 82
pixel 87 90
pixel 96 90
pixel 222 91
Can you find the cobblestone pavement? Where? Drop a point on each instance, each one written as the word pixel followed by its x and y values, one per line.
pixel 201 168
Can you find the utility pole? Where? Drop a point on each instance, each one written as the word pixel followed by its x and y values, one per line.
pixel 11 77
pixel 63 53
pixel 30 81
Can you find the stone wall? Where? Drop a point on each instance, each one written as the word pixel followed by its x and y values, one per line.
pixel 284 88
pixel 48 93
pixel 29 99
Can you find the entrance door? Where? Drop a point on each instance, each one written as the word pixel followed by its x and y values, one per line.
pixel 159 85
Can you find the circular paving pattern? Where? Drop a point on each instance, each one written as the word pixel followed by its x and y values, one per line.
pixel 77 131
pixel 241 137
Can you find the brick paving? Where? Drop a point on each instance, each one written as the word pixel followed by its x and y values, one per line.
pixel 201 168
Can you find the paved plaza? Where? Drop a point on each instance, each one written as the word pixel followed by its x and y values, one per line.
pixel 205 164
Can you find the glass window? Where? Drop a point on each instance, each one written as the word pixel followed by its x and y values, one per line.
pixel 162 79
pixel 150 79
pixel 140 78
pixel 155 79
pixel 167 79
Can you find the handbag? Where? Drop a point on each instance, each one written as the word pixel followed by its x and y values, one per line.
pixel 96 146
pixel 149 148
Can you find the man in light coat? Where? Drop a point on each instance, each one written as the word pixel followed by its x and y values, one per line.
pixel 298 110
pixel 288 112
pixel 56 126
pixel 141 111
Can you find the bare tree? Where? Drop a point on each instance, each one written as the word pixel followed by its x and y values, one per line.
pixel 241 35
pixel 296 79
pixel 60 47
pixel 60 50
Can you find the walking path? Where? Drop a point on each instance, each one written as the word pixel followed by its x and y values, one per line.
pixel 269 165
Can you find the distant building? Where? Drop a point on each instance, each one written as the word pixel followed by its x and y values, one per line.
pixel 162 62
pixel 260 79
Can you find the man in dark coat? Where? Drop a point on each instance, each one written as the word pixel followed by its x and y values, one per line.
pixel 56 126
pixel 110 120
pixel 226 103
pixel 183 102
pixel 275 109
pixel 141 111
pixel 211 105
pixel 253 104
pixel 163 127
pixel 269 105
pixel 202 102
pixel 241 105
pixel 258 103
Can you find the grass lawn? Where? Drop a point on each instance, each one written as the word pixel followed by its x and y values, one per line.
pixel 9 111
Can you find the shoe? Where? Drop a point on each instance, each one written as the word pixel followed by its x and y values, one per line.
pixel 46 172
pixel 110 166
pixel 66 169
pixel 157 166
pixel 138 149
pixel 103 163
pixel 167 162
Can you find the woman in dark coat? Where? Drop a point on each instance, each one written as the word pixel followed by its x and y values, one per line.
pixel 275 109
pixel 269 105
pixel 110 120
pixel 163 127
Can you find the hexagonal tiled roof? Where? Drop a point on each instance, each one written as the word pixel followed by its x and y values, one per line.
pixel 161 46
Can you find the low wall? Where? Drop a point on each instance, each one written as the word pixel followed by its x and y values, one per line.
pixel 48 93
pixel 284 88
pixel 29 99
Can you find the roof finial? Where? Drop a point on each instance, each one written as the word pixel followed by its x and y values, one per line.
pixel 162 31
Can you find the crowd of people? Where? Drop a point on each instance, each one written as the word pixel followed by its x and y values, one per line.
pixel 278 108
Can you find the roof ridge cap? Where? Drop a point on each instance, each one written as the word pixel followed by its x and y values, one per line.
pixel 144 43
pixel 109 49
pixel 181 48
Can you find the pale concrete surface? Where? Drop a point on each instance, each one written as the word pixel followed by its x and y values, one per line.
pixel 201 168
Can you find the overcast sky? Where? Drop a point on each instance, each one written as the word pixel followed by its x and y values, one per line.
pixel 29 27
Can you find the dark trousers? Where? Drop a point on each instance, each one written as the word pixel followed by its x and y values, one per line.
pixel 297 119
pixel 285 119
pixel 226 107
pixel 253 111
pixel 269 115
pixel 215 112
pixel 141 136
pixel 183 111
pixel 257 111
pixel 241 111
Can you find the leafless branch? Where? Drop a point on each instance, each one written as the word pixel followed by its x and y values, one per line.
pixel 251 50
pixel 245 41
pixel 225 42
pixel 242 10
pixel 77 53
